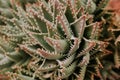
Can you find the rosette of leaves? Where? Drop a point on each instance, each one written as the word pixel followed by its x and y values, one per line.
pixel 10 55
pixel 59 39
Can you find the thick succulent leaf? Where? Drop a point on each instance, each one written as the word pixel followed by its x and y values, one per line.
pixel 60 46
pixel 48 68
pixel 23 77
pixel 42 23
pixel 42 42
pixel 58 7
pixel 67 71
pixel 15 56
pixel 47 12
pixel 66 62
pixel 23 62
pixel 52 31
pixel 45 76
pixel 91 6
pixel 49 55
pixel 84 64
pixel 92 31
pixel 79 26
pixel 73 7
pixel 65 26
pixel 28 50
pixel 75 46
pixel 81 76
pixel 5 63
pixel 69 14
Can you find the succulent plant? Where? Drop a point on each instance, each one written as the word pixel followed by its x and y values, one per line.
pixel 55 40
pixel 6 5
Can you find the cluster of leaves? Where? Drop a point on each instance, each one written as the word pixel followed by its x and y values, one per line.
pixel 111 34
pixel 59 39
pixel 7 5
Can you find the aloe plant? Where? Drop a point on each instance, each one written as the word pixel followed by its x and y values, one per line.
pixel 55 40
pixel 6 5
